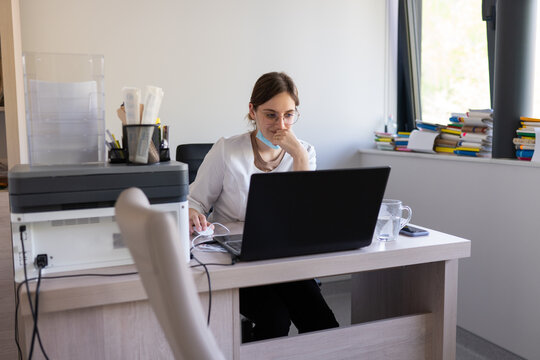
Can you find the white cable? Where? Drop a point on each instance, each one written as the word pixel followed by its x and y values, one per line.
pixel 223 226
pixel 203 246
pixel 207 247
pixel 193 241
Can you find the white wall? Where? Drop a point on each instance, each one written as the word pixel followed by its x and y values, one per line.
pixel 495 204
pixel 207 54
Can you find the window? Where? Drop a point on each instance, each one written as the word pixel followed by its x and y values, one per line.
pixel 454 59
pixel 455 65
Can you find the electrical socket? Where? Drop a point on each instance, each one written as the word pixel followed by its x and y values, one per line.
pixel 42 260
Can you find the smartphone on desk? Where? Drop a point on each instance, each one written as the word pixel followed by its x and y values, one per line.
pixel 409 230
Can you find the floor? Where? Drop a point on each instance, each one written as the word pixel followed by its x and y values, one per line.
pixel 473 347
pixel 469 346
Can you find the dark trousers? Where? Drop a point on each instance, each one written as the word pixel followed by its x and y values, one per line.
pixel 272 308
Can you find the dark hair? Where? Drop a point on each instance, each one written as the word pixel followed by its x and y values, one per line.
pixel 271 84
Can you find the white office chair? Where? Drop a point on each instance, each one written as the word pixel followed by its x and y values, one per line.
pixel 153 240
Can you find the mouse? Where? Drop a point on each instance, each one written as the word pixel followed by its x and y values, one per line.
pixel 208 232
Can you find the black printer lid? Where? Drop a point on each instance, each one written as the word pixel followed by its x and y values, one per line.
pixel 27 170
pixel 62 187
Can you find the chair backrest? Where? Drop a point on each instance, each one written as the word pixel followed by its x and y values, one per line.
pixel 154 242
pixel 193 155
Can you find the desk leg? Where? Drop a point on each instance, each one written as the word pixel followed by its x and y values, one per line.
pixel 444 342
pixel 423 288
pixel 225 320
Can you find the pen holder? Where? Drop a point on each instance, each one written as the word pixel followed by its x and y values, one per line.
pixel 164 155
pixel 117 156
pixel 141 147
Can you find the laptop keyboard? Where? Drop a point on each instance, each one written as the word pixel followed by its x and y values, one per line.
pixel 235 244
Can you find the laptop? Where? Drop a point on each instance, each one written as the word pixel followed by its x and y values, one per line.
pixel 308 212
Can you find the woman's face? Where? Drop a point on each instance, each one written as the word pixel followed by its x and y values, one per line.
pixel 274 114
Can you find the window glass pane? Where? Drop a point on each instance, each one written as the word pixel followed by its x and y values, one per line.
pixel 455 68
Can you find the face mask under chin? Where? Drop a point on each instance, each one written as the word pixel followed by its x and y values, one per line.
pixel 267 142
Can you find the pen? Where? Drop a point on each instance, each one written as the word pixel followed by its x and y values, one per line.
pixel 115 142
pixel 111 137
pixel 165 139
pixel 158 123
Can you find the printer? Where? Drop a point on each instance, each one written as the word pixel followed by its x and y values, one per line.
pixel 66 212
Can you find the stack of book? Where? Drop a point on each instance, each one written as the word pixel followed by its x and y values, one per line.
pixel 384 141
pixel 426 126
pixel 402 140
pixel 526 138
pixel 445 146
pixel 448 141
pixel 475 132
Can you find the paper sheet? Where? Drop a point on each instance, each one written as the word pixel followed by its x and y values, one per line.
pixel 152 102
pixel 422 141
pixel 132 99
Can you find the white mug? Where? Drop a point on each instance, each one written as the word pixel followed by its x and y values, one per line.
pixel 390 219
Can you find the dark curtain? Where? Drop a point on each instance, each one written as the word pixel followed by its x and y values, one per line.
pixel 488 15
pixel 405 112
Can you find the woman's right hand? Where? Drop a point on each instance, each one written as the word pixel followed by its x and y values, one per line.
pixel 197 221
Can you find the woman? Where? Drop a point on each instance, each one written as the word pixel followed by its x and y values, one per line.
pixel 222 183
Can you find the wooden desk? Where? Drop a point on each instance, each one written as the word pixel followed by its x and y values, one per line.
pixel 7 297
pixel 404 306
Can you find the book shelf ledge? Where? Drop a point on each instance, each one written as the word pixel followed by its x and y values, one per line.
pixel 511 162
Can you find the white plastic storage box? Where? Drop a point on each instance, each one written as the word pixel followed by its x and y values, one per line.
pixel 65 108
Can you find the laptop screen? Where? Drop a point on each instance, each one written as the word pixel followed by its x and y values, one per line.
pixel 308 212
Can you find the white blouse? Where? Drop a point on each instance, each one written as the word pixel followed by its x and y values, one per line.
pixel 223 178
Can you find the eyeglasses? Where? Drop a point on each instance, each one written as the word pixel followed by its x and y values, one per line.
pixel 289 118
